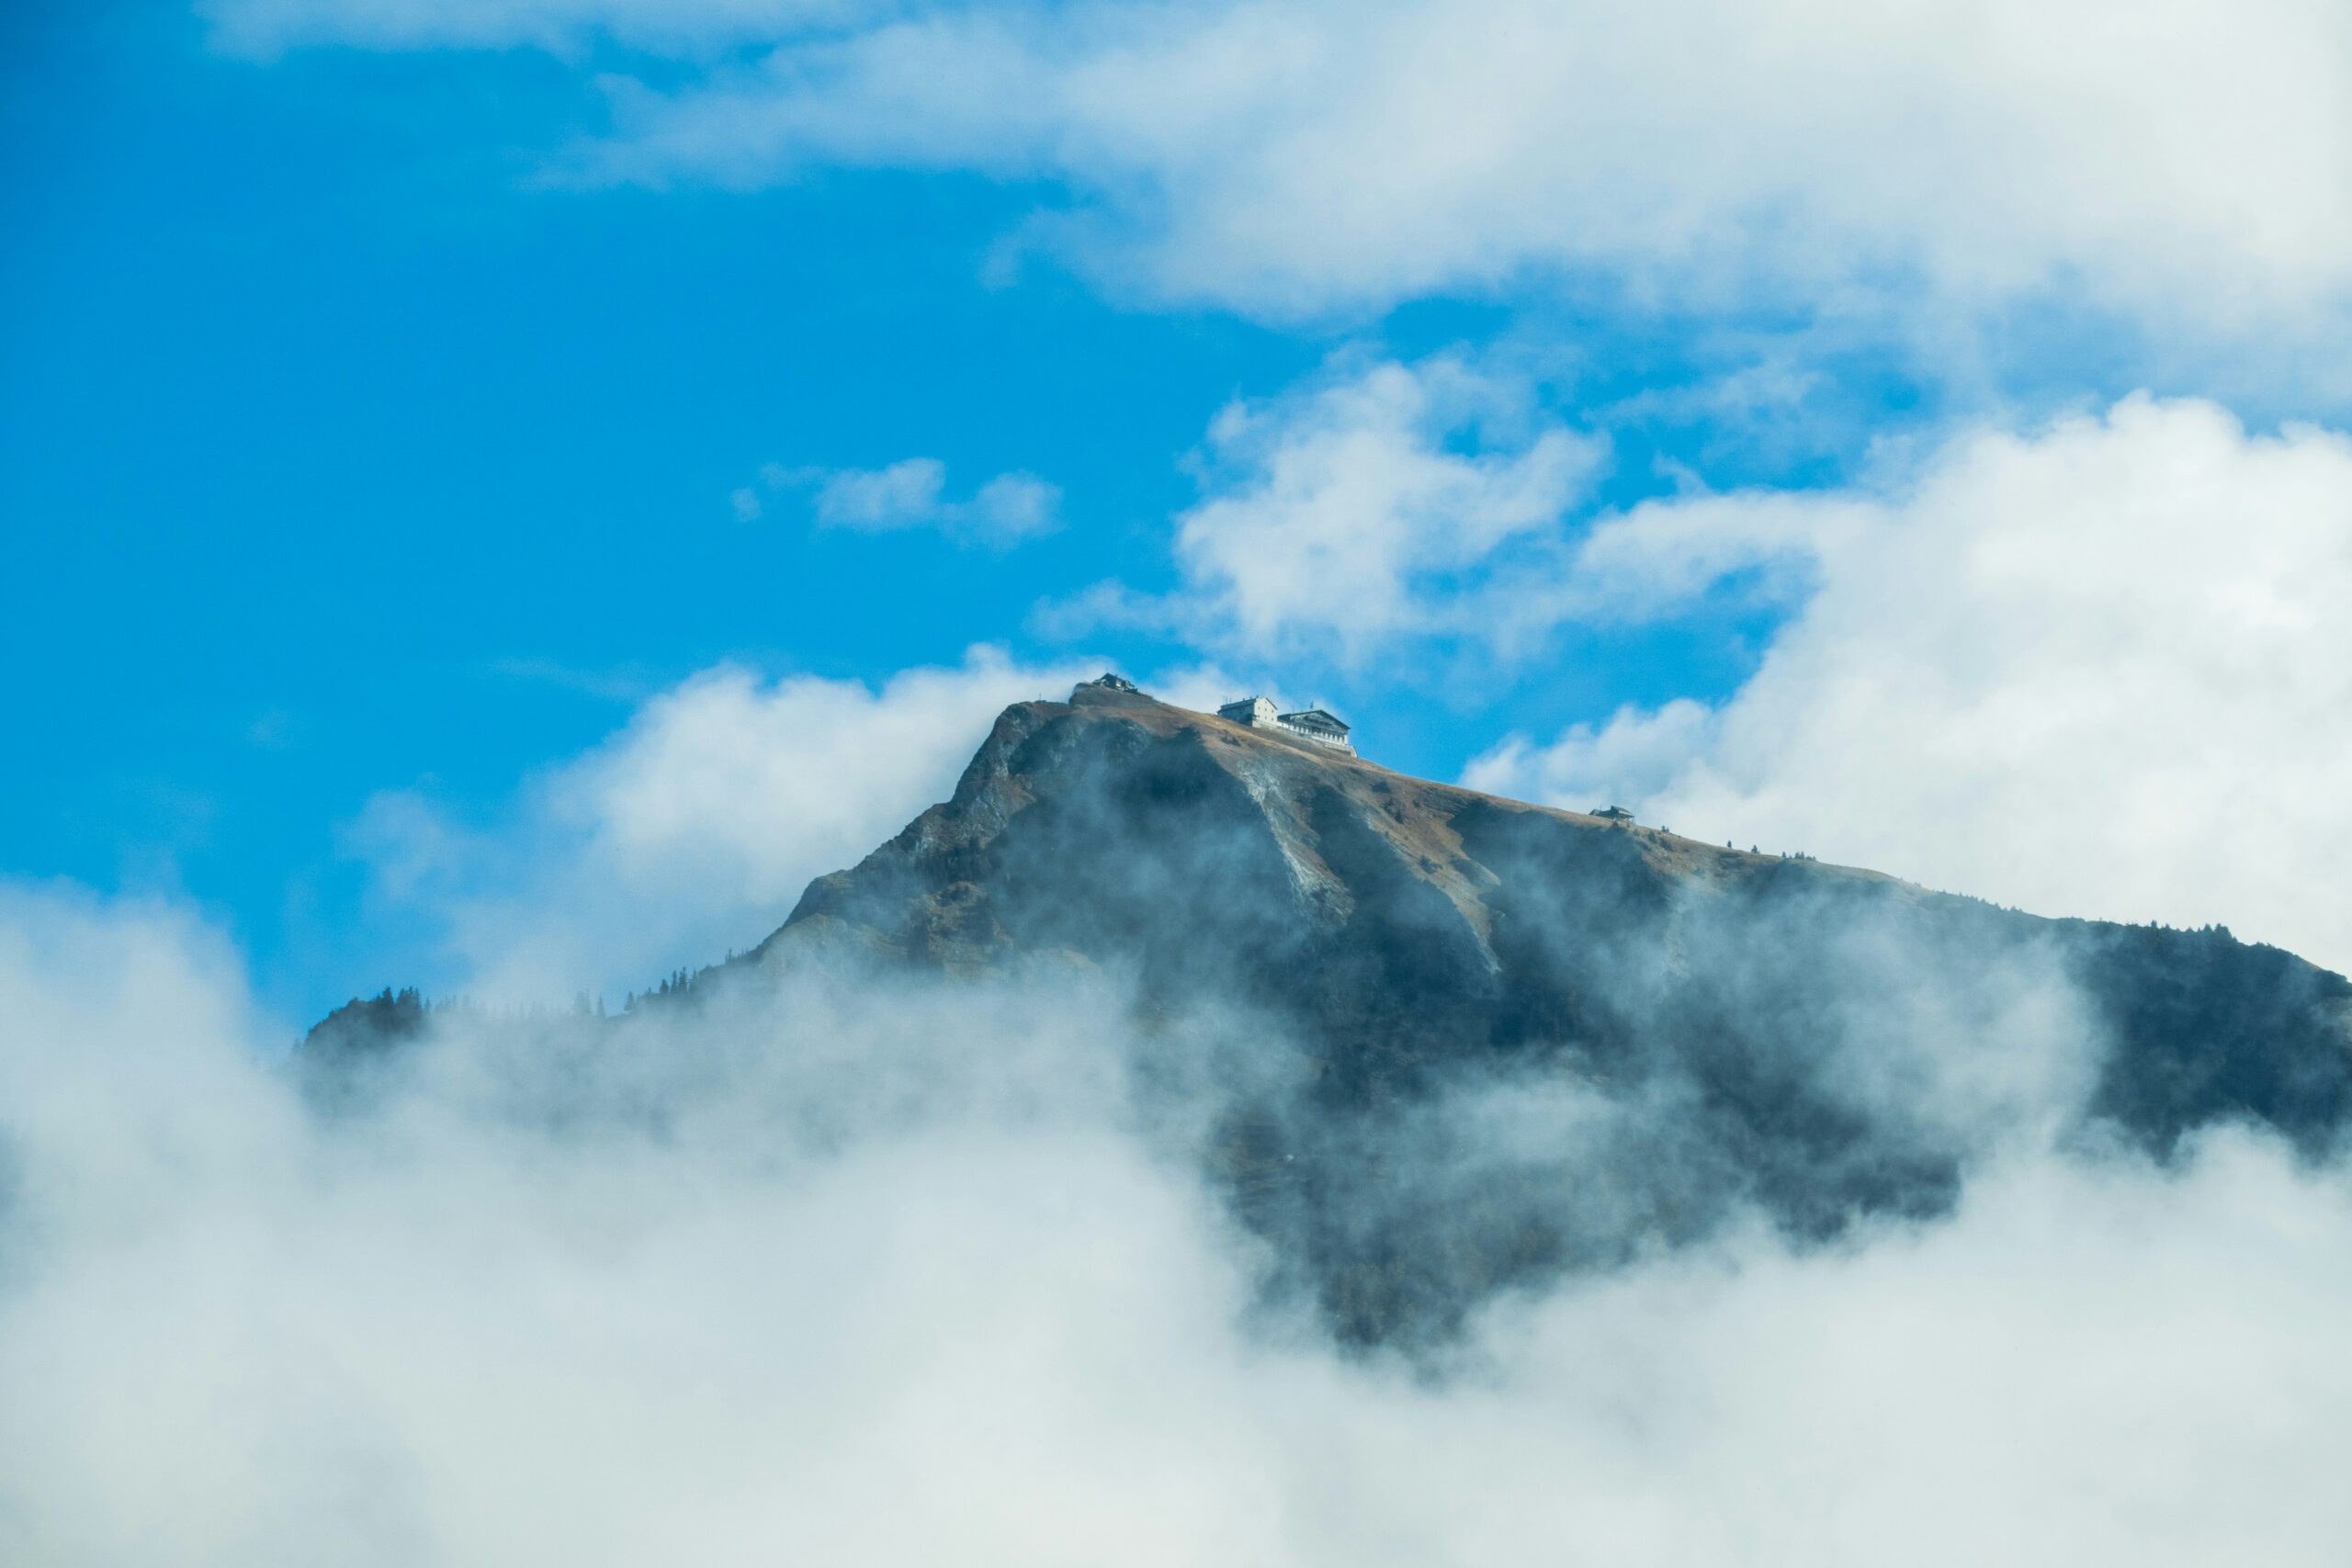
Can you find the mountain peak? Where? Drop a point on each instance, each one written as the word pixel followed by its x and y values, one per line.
pixel 1331 835
pixel 1832 1042
pixel 1347 967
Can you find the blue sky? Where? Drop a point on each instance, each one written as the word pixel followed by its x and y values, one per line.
pixel 376 387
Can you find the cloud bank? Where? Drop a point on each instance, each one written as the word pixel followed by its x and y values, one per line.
pixel 918 1278
pixel 1373 506
pixel 2186 165
pixel 2099 669
pixel 693 828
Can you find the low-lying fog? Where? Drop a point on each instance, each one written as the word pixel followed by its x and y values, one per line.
pixel 915 1274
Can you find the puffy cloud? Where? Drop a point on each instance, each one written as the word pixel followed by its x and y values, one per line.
pixel 1370 505
pixel 695 828
pixel 1300 155
pixel 1625 759
pixel 887 1279
pixel 83 984
pixel 2188 164
pixel 2101 670
pixel 1012 507
pixel 912 493
pixel 900 496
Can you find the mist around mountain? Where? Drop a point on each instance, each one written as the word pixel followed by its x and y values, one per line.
pixel 1182 1145
pixel 1430 1046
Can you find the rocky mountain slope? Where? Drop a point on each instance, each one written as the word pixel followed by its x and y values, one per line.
pixel 1740 1032
pixel 1461 1042
pixel 1398 926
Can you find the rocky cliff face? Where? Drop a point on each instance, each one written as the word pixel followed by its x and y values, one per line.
pixel 1730 1032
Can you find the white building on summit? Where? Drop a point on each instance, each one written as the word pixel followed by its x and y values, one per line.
pixel 1307 724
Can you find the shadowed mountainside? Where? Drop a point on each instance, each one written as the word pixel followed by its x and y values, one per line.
pixel 1399 926
pixel 1819 1041
pixel 1470 1043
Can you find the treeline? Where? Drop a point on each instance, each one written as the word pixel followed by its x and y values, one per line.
pixel 367 1024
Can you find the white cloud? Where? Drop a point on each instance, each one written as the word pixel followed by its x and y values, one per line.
pixel 84 1130
pixel 2102 670
pixel 1367 507
pixel 903 495
pixel 912 493
pixel 1631 758
pixel 2188 162
pixel 896 1278
pixel 1013 506
pixel 693 828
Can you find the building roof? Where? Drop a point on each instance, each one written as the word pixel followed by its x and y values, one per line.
pixel 1614 814
pixel 1316 719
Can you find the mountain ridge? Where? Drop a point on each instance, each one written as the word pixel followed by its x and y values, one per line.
pixel 1365 964
pixel 1411 813
pixel 1346 848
